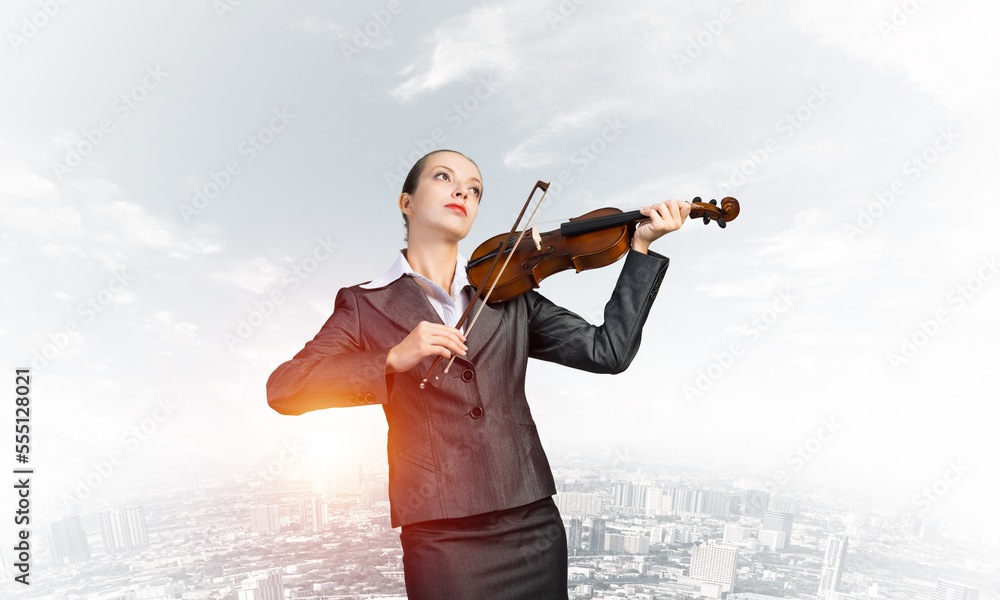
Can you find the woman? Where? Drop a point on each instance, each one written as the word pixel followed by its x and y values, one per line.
pixel 469 482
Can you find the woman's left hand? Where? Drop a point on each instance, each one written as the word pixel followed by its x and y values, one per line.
pixel 663 218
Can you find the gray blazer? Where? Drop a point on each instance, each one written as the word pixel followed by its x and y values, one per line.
pixel 469 446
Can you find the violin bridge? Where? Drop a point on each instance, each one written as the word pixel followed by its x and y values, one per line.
pixel 535 237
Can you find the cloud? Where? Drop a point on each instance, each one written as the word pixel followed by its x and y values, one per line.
pixel 255 274
pixel 17 179
pixel 937 46
pixel 487 39
pixel 169 329
pixel 543 147
pixel 90 213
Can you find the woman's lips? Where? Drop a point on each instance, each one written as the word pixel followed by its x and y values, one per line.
pixel 457 208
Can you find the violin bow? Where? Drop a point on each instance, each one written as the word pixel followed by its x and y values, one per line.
pixel 507 244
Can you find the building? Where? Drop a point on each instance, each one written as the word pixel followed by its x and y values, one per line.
pixel 775 540
pixel 755 502
pixel 124 531
pixel 922 529
pixel 718 504
pixel 778 521
pixel 264 519
pixel 833 564
pixel 375 491
pixel 655 501
pixel 631 497
pixel 636 544
pixel 687 501
pixel 263 585
pixel 714 563
pixel 782 505
pixel 949 590
pixel 578 503
pixel 346 479
pixel 68 542
pixel 734 534
pixel 314 513
pixel 574 533
pixel 596 534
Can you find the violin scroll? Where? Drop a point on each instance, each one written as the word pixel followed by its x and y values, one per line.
pixel 709 211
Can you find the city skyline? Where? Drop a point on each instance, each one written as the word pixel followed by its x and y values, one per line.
pixel 185 187
pixel 668 555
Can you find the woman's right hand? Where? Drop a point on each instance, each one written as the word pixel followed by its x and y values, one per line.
pixel 426 339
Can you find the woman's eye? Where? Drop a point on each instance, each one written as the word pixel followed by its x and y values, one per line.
pixel 477 191
pixel 442 174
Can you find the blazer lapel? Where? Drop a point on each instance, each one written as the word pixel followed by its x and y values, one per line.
pixel 485 326
pixel 404 303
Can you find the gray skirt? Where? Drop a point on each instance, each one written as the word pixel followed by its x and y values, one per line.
pixel 513 554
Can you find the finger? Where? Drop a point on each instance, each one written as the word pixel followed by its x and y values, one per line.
pixel 446 350
pixel 451 343
pixel 440 329
pixel 675 212
pixel 656 214
pixel 449 337
pixel 455 332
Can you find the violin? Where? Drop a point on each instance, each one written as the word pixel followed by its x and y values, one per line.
pixel 596 239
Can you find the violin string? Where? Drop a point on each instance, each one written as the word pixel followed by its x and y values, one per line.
pixel 510 255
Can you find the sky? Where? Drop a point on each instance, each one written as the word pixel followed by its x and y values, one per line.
pixel 185 186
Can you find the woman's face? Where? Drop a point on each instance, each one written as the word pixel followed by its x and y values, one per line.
pixel 446 200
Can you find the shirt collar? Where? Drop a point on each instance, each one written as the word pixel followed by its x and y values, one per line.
pixel 401 267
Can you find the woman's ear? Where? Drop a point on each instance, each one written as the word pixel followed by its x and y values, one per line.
pixel 404 204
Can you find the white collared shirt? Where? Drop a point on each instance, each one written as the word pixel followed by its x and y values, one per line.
pixel 448 306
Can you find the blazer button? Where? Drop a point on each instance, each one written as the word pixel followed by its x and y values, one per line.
pixel 468 375
pixel 353 399
pixel 476 412
pixel 369 398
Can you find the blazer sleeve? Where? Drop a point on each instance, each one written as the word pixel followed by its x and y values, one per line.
pixel 561 336
pixel 334 369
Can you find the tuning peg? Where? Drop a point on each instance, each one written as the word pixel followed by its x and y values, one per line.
pixel 706 219
pixel 722 223
pixel 697 199
pixel 712 202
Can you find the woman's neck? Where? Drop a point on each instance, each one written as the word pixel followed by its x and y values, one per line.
pixel 434 260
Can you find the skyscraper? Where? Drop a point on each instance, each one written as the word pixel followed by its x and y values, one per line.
pixel 314 513
pixel 630 496
pixel 263 585
pixel 833 564
pixel 578 503
pixel 68 541
pixel 713 563
pixel 949 590
pixel 596 534
pixel 124 531
pixel 718 504
pixel 574 533
pixel 778 521
pixel 654 498
pixel 264 519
